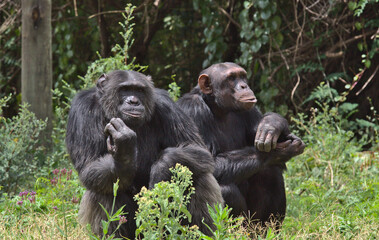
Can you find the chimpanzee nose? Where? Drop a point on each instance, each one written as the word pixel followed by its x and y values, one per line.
pixel 242 85
pixel 132 100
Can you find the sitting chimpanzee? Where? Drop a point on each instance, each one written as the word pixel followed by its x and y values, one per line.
pixel 251 180
pixel 126 129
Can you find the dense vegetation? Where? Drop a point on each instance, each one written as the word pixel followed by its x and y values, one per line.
pixel 314 62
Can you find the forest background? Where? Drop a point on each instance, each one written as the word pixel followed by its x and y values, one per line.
pixel 314 62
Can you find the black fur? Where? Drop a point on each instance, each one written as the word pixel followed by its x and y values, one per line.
pixel 139 154
pixel 251 181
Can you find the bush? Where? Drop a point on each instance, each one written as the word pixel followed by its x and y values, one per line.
pixel 162 211
pixel 20 151
pixel 332 188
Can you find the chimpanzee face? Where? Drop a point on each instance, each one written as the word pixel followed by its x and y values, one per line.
pixel 227 82
pixel 127 95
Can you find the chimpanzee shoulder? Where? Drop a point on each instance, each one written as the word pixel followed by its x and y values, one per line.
pixel 173 122
pixel 85 127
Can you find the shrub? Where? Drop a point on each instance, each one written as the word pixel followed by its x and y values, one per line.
pixel 162 211
pixel 332 187
pixel 20 152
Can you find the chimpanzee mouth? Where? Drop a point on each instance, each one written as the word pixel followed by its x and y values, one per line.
pixel 134 114
pixel 248 100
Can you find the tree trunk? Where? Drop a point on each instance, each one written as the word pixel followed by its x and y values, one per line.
pixel 36 57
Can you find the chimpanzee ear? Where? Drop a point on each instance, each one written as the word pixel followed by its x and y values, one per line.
pixel 101 82
pixel 205 84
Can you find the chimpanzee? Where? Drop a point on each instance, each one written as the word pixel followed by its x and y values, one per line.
pixel 126 129
pixel 249 162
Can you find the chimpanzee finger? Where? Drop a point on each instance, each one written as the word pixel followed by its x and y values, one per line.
pixel 275 140
pixel 257 136
pixel 293 137
pixel 110 129
pixel 268 142
pixel 283 145
pixel 117 123
pixel 261 140
pixel 110 145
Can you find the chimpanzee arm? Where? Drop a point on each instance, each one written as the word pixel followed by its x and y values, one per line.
pixel 239 165
pixel 86 143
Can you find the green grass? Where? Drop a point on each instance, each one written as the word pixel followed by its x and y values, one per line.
pixel 336 205
pixel 321 205
pixel 332 193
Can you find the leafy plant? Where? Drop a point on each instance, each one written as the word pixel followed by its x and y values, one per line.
pixel 367 128
pixel 213 31
pixel 331 187
pixel 49 209
pixel 60 191
pixel 120 60
pixel 227 227
pixel 259 23
pixel 111 217
pixel 19 148
pixel 162 209
pixel 174 89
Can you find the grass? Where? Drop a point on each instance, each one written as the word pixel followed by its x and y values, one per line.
pixel 346 207
pixel 35 225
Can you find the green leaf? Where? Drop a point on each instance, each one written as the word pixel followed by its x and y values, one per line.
pixel 348 107
pixel 105 225
pixel 258 32
pixel 352 5
pixel 368 63
pixel 266 14
pixel 279 39
pixel 358 25
pixel 255 46
pixel 246 4
pixel 119 211
pixel 367 124
pixel 244 15
pixel 360 46
pixel 263 4
pixel 106 212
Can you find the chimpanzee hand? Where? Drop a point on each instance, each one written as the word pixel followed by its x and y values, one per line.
pixel 121 140
pixel 293 146
pixel 269 129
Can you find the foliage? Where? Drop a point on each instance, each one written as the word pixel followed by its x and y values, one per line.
pixel 213 31
pixel 58 156
pixel 50 209
pixel 227 227
pixel 332 187
pixel 121 53
pixel 111 217
pixel 174 89
pixel 162 212
pixel 162 209
pixel 295 52
pixel 259 23
pixel 60 191
pixel 19 148
pixel 367 128
pixel 10 54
